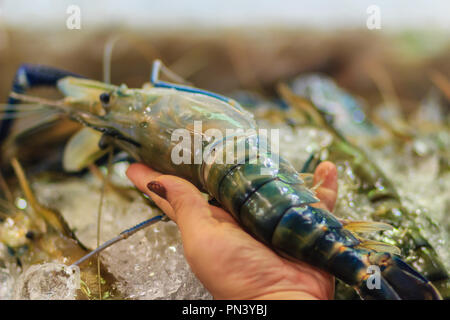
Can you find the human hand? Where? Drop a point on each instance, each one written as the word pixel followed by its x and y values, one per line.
pixel 229 262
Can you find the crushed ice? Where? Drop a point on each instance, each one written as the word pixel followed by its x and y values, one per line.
pixel 49 281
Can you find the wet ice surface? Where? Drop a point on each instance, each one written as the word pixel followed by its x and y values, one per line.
pixel 423 190
pixel 49 281
pixel 78 201
pixel 8 273
pixel 413 169
pixel 6 284
pixel 149 264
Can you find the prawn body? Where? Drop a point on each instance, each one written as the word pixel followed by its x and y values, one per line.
pixel 274 207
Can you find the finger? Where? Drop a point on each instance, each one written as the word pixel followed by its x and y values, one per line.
pixel 326 175
pixel 188 204
pixel 178 198
pixel 141 175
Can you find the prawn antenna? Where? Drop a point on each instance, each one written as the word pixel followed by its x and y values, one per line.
pixel 123 235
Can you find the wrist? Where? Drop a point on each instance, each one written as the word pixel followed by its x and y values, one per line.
pixel 286 295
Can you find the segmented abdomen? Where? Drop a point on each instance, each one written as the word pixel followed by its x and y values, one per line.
pixel 275 208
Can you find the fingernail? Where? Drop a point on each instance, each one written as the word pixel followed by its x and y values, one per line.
pixel 158 188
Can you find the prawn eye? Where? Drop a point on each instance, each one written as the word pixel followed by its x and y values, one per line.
pixel 105 97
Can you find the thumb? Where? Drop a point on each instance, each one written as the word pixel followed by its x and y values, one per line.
pixel 325 176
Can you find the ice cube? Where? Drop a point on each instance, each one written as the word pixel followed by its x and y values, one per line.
pixel 48 281
pixel 6 284
pixel 151 265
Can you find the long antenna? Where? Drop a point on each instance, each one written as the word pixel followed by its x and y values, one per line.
pixel 99 214
pixel 107 58
pixel 123 235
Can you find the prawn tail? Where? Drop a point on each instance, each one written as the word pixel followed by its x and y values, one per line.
pixel 311 234
pixel 392 279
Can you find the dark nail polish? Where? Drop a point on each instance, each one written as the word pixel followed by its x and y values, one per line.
pixel 30 235
pixel 158 188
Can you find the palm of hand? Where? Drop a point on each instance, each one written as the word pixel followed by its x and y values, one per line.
pixel 227 260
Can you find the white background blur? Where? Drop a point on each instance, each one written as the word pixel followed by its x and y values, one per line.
pixel 208 14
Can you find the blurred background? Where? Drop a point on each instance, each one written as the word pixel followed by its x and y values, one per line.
pixel 222 46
